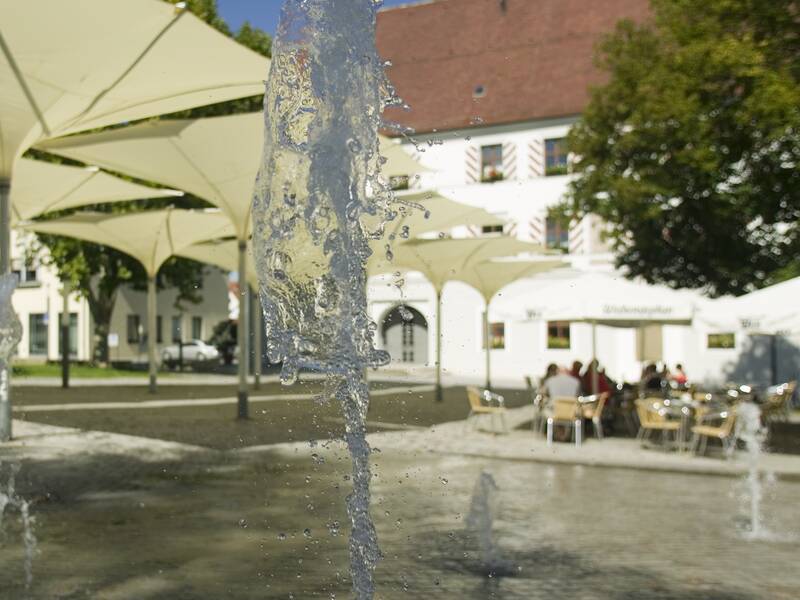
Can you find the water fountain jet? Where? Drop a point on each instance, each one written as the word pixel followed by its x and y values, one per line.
pixel 319 176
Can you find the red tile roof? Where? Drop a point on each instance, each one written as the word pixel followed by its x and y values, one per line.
pixel 534 59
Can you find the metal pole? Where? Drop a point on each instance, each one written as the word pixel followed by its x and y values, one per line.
pixel 488 346
pixel 257 329
pixel 151 333
pixel 65 319
pixel 241 333
pixel 773 359
pixel 5 226
pixel 439 396
pixel 596 363
pixel 5 268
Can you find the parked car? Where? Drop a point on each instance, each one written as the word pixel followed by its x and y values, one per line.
pixel 194 351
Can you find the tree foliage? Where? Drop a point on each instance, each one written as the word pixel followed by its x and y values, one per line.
pixel 98 272
pixel 691 150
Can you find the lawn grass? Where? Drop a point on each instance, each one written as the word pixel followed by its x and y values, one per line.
pixel 271 422
pixel 75 370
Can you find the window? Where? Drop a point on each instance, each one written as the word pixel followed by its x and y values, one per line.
pixel 134 329
pixel 717 341
pixel 492 229
pixel 26 276
pixel 492 163
pixel 73 334
pixel 497 336
pixel 197 328
pixel 159 329
pixel 557 233
pixel 558 335
pixel 555 156
pixel 176 329
pixel 37 333
pixel 398 182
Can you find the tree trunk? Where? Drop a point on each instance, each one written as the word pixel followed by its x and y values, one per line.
pixel 101 308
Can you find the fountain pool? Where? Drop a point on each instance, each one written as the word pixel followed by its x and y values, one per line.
pixel 273 524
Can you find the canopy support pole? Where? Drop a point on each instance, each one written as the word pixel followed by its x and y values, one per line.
pixel 241 333
pixel 65 319
pixel 151 333
pixel 5 226
pixel 5 268
pixel 773 359
pixel 439 396
pixel 595 362
pixel 488 346
pixel 257 349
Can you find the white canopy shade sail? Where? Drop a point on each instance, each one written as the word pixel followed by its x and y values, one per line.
pixel 223 254
pixel 41 187
pixel 428 211
pixel 443 260
pixel 214 158
pixel 74 66
pixel 150 237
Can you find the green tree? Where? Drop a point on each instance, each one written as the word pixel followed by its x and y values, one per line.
pixel 98 272
pixel 691 150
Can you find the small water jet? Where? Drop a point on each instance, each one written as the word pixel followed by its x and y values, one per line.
pixel 752 433
pixel 11 502
pixel 480 525
pixel 320 175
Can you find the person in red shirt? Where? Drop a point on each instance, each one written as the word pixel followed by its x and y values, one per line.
pixel 588 379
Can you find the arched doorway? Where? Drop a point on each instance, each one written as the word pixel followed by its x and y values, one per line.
pixel 404 332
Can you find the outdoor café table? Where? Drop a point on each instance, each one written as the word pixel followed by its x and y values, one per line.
pixel 682 408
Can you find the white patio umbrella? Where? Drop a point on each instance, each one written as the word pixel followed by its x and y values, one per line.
pixel 443 260
pixel 491 276
pixel 612 301
pixel 42 187
pixel 73 66
pixel 150 237
pixel 215 158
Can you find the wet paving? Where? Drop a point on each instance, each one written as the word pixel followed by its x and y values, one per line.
pixel 272 525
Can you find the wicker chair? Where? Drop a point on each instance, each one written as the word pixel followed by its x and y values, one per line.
pixel 595 413
pixel 478 405
pixel 724 432
pixel 778 405
pixel 651 420
pixel 566 412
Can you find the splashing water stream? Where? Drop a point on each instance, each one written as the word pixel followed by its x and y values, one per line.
pixel 11 501
pixel 480 524
pixel 10 334
pixel 752 433
pixel 319 178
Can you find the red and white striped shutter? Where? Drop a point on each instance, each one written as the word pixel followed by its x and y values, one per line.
pixel 577 237
pixel 537 229
pixel 474 230
pixel 510 229
pixel 509 161
pixel 472 164
pixel 536 158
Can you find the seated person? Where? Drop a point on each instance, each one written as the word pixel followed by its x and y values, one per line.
pixel 561 384
pixel 589 378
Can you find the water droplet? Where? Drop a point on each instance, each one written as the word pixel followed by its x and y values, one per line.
pixel 281 536
pixel 243 523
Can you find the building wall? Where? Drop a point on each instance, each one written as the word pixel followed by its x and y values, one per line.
pixel 211 310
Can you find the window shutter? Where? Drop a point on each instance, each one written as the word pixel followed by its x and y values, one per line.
pixel 537 228
pixel 509 161
pixel 536 158
pixel 472 164
pixel 577 237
